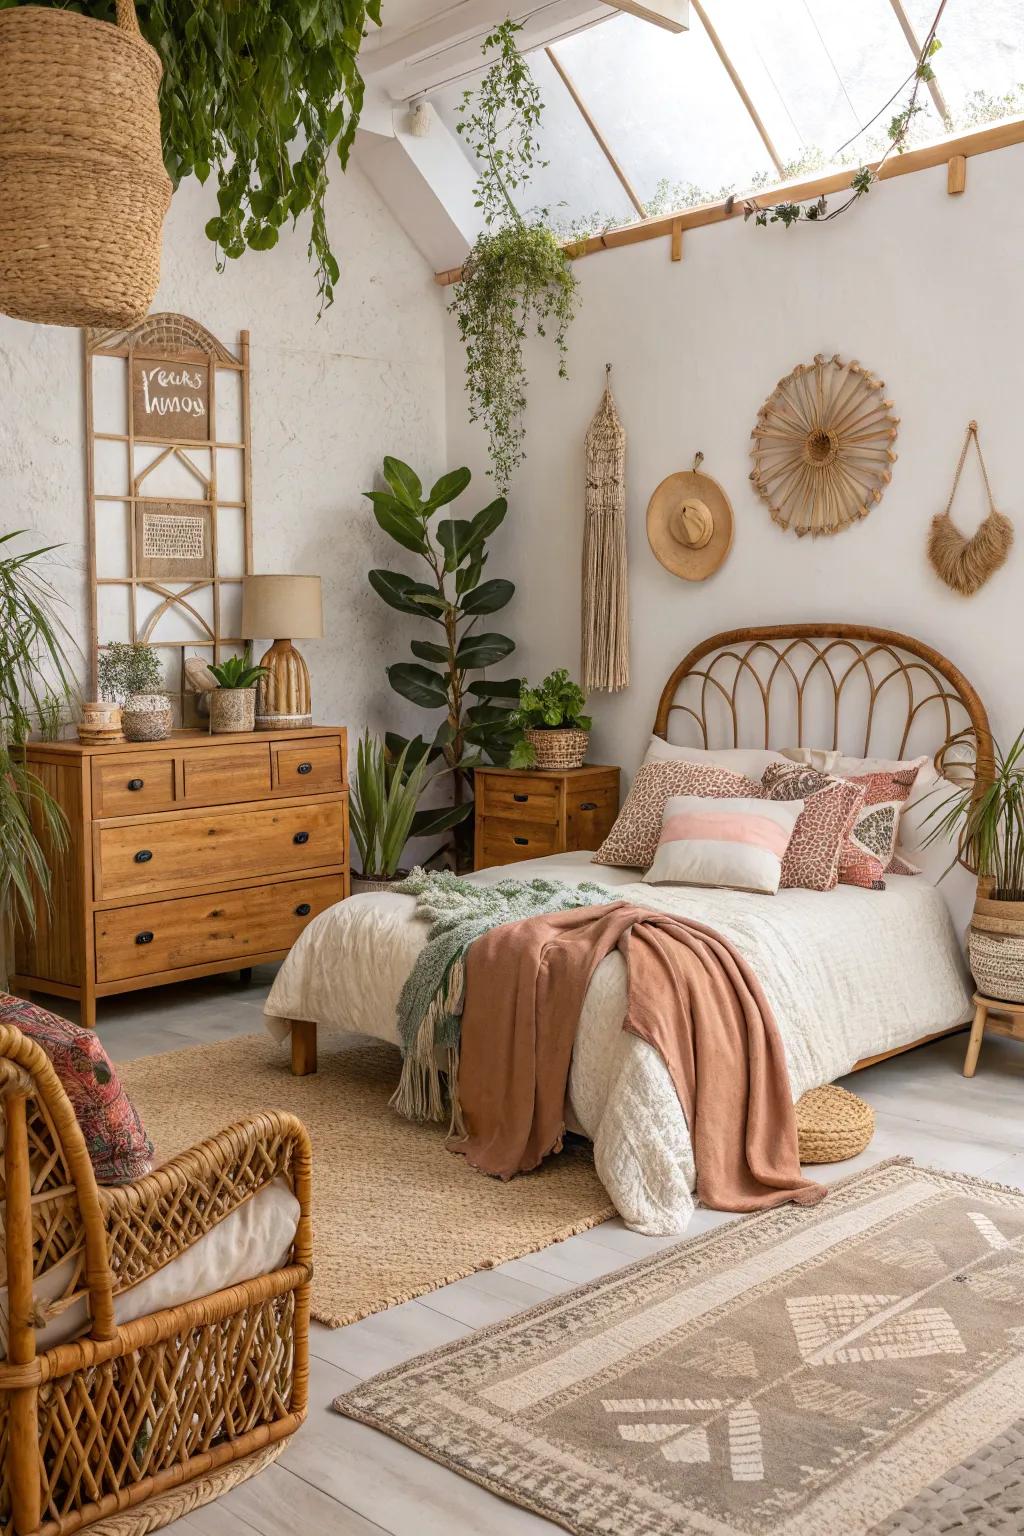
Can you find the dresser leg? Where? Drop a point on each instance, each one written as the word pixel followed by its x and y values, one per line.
pixel 303 1047
pixel 974 1043
pixel 245 975
pixel 87 1010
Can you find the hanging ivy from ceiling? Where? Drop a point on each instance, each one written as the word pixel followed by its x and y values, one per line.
pixel 262 94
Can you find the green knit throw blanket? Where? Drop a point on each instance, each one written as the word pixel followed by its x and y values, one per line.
pixel 430 1007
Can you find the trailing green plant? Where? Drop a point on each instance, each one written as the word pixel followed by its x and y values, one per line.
pixel 124 668
pixel 236 672
pixel 385 794
pixel 556 704
pixel 988 826
pixel 35 668
pixel 453 599
pixel 261 93
pixel 517 275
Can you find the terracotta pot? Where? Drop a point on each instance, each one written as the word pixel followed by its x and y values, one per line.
pixel 559 749
pixel 232 709
pixel 147 717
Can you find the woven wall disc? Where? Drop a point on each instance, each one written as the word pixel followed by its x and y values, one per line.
pixel 822 446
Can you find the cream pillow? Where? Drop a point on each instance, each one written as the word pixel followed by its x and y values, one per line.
pixel 738 843
pixel 750 761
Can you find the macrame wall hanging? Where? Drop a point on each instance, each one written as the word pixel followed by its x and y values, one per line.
pixel 605 644
pixel 965 564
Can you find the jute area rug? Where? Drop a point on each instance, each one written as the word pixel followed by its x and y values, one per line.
pixel 394 1214
pixel 849 1368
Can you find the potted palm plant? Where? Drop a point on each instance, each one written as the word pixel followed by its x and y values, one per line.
pixel 553 730
pixel 988 826
pixel 233 701
pixel 385 795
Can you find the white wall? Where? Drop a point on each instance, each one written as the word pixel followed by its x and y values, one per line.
pixel 923 288
pixel 328 401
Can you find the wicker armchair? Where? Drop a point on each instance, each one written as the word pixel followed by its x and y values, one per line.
pixel 134 1424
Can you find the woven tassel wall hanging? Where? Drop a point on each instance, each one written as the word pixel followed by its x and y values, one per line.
pixel 965 564
pixel 605 643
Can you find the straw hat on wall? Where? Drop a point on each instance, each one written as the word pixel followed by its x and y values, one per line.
pixel 689 524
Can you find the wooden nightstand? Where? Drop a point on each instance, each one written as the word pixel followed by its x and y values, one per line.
pixel 525 815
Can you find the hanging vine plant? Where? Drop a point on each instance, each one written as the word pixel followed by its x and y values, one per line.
pixel 517 275
pixel 262 94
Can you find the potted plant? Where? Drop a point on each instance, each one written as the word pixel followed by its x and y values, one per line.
pixel 553 730
pixel 988 825
pixel 385 794
pixel 233 701
pixel 131 675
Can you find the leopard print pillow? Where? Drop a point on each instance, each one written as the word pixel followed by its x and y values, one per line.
pixel 633 840
pixel 821 836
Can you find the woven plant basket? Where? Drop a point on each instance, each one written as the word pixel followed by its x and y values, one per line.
pixel 362 883
pixel 147 717
pixel 559 749
pixel 83 189
pixel 832 1125
pixel 232 709
pixel 997 961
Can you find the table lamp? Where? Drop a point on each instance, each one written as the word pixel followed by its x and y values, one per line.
pixel 282 606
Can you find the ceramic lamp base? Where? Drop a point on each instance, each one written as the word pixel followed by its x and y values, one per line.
pixel 283 697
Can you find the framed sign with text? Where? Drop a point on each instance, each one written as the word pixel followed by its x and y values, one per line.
pixel 171 400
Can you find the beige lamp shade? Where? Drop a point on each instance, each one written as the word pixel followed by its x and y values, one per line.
pixel 282 607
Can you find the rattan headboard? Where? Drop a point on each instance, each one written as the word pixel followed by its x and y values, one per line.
pixel 871 692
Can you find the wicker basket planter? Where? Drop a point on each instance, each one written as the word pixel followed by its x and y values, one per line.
pixel 995 944
pixel 362 883
pixel 147 717
pixel 559 749
pixel 832 1125
pixel 232 709
pixel 82 181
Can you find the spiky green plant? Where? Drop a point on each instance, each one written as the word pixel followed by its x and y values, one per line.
pixel 236 672
pixel 988 825
pixel 383 811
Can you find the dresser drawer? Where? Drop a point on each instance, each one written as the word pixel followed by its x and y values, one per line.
pixel 590 815
pixel 213 775
pixel 216 845
pixel 526 795
pixel 196 930
pixel 505 842
pixel 307 768
pixel 129 785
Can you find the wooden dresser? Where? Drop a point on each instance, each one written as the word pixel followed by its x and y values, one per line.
pixel 526 815
pixel 187 857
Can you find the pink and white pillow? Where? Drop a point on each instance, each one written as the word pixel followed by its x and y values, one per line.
pixel 734 842
pixel 632 841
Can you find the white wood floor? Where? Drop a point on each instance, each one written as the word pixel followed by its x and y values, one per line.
pixel 338 1478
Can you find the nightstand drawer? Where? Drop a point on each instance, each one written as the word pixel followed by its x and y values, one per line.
pixel 505 842
pixel 225 774
pixel 130 785
pixel 307 769
pixel 521 795
pixel 217 845
pixel 195 930
pixel 590 815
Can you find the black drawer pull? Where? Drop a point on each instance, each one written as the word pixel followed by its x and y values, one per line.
pixel 301 837
pixel 588 805
pixel 143 856
pixel 524 842
pixel 144 938
pixel 521 798
pixel 136 783
pixel 304 768
pixel 302 910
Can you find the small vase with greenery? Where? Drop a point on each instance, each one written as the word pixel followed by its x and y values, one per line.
pixel 453 599
pixel 517 273
pixel 553 731
pixel 35 671
pixel 385 795
pixel 124 669
pixel 233 701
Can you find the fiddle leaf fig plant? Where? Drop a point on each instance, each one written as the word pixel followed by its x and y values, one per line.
pixel 454 601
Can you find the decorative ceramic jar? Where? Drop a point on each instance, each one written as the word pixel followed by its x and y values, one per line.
pixel 147 717
pixel 559 748
pixel 232 709
pixel 995 944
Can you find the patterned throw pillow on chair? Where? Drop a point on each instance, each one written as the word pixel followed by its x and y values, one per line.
pixel 114 1135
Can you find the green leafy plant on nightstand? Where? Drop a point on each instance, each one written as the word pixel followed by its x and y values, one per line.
pixel 556 704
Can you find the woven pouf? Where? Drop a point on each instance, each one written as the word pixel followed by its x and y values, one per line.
pixel 832 1125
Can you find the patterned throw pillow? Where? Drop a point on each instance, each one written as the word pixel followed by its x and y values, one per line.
pixel 114 1135
pixel 737 843
pixel 878 827
pixel 633 840
pixel 819 840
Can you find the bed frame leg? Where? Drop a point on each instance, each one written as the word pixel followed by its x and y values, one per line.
pixel 303 1047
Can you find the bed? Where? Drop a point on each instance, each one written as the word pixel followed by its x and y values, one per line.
pixel 852 975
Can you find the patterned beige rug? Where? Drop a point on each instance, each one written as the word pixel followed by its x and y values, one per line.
pixel 855 1367
pixel 394 1214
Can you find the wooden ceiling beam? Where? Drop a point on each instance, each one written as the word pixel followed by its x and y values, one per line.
pixel 602 143
pixel 914 43
pixel 741 90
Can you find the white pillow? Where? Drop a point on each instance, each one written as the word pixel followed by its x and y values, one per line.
pixel 750 761
pixel 736 843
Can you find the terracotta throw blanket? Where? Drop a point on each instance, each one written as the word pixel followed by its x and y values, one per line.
pixel 690 995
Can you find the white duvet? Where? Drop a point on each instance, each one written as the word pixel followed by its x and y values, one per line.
pixel 848 973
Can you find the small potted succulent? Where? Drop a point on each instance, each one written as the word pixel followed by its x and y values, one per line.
pixel 554 731
pixel 385 793
pixel 130 675
pixel 233 701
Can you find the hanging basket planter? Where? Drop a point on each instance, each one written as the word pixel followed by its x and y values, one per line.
pixel 83 187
